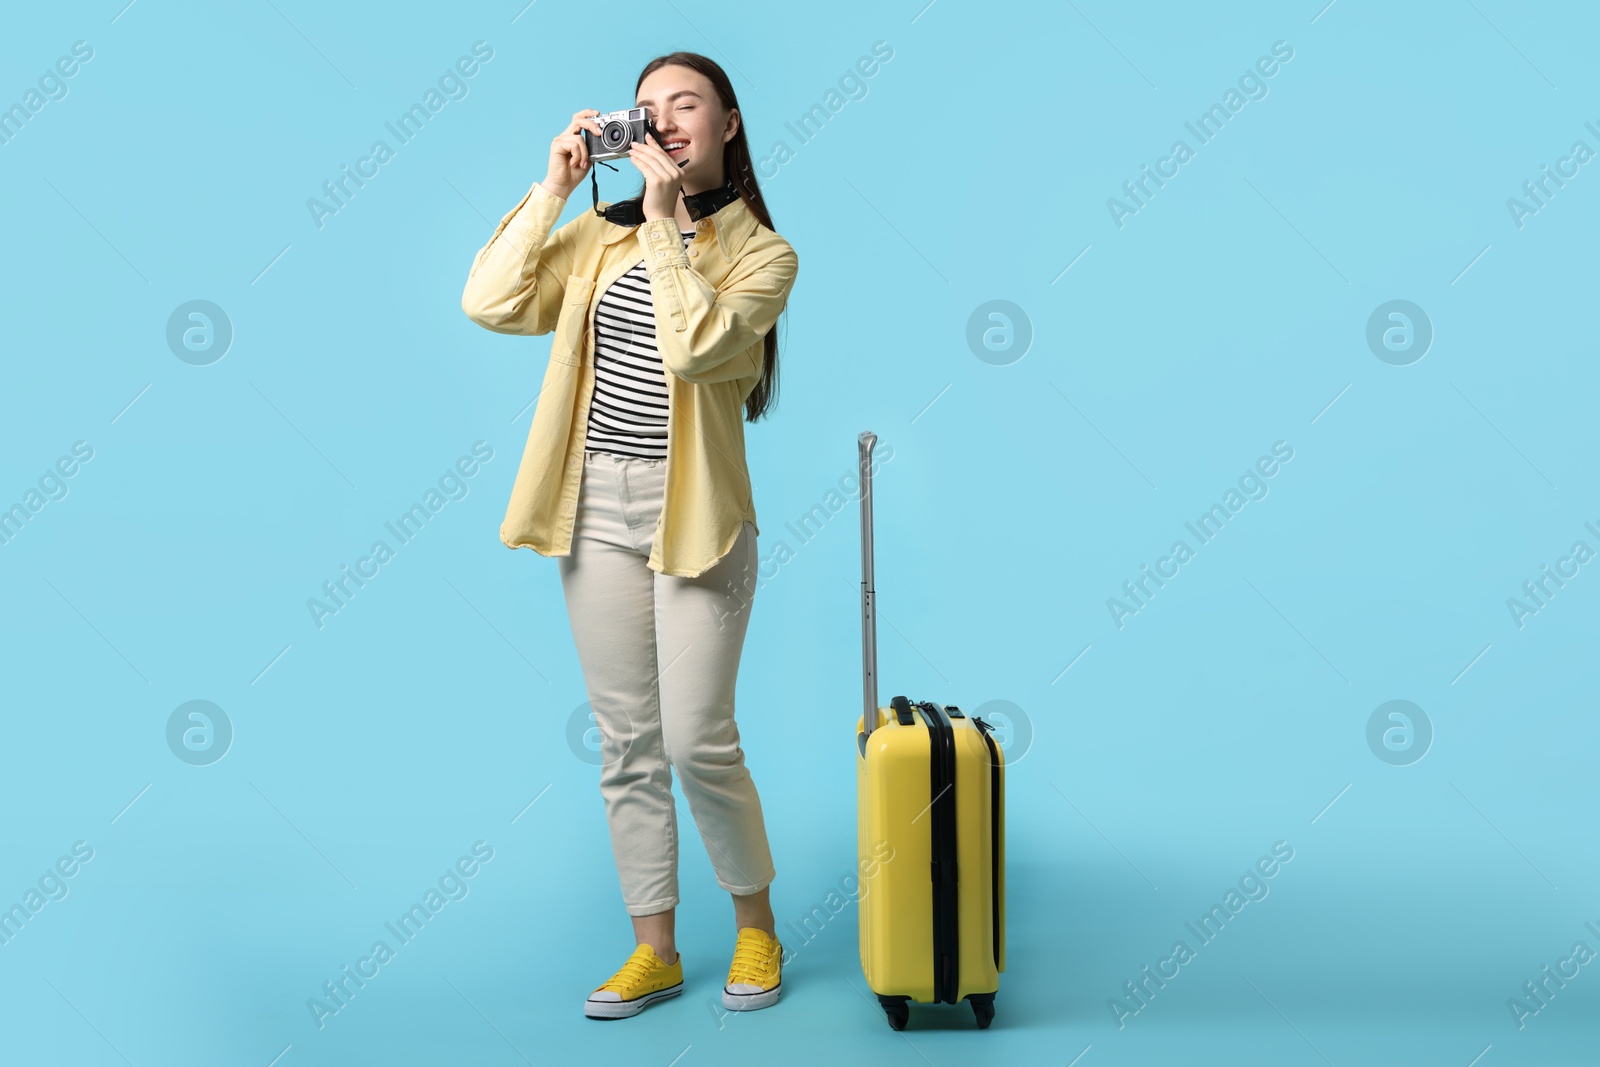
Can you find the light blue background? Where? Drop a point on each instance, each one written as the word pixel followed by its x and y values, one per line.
pixel 1230 713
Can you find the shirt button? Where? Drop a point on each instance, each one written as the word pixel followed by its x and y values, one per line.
pixel 694 251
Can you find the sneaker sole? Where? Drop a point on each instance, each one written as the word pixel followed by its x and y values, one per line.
pixel 750 1001
pixel 621 1009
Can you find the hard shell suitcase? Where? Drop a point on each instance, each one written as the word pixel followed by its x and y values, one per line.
pixel 930 789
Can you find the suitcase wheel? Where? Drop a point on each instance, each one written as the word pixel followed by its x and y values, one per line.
pixel 982 1008
pixel 897 1009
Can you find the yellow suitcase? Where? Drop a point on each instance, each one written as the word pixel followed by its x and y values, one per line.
pixel 930 789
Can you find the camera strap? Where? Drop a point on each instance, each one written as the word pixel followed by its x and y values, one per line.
pixel 630 212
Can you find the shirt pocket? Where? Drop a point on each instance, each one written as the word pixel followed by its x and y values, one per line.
pixel 572 320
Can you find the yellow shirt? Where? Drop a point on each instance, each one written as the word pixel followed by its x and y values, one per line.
pixel 714 303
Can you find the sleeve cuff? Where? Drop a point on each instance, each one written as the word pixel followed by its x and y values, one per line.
pixel 537 213
pixel 542 193
pixel 662 243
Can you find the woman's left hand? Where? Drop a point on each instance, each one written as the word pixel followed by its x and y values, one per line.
pixel 663 181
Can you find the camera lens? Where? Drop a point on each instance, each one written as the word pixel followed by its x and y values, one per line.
pixel 614 135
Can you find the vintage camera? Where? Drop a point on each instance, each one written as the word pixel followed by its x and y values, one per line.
pixel 619 130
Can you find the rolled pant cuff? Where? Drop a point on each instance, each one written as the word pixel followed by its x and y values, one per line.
pixel 653 908
pixel 745 891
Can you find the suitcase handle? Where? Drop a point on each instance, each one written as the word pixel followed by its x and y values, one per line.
pixel 869 622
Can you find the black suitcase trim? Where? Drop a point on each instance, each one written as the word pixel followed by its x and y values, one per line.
pixel 946 914
pixel 995 820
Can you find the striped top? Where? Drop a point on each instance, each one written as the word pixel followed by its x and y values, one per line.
pixel 628 414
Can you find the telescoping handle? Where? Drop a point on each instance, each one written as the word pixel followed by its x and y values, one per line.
pixel 869 622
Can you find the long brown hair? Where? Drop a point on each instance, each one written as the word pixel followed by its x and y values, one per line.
pixel 737 165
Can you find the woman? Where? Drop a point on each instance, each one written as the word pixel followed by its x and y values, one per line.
pixel 634 476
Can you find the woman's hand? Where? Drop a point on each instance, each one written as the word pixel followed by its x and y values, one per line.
pixel 569 155
pixel 663 181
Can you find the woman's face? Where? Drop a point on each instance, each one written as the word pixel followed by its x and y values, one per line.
pixel 684 107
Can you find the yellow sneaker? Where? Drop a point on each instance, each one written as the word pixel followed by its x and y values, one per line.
pixel 643 980
pixel 753 979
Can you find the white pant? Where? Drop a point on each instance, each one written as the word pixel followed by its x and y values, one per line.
pixel 660 655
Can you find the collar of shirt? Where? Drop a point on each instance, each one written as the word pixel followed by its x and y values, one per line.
pixel 731 224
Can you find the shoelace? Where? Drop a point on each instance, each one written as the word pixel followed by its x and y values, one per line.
pixel 632 972
pixel 750 962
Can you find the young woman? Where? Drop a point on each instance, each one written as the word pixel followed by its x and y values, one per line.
pixel 634 476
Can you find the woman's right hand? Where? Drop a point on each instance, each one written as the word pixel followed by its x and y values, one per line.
pixel 569 155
